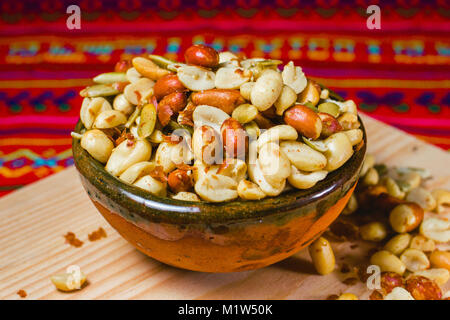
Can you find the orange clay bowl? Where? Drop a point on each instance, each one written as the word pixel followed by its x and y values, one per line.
pixel 218 237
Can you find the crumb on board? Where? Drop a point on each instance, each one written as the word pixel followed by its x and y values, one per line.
pixel 345 268
pixel 97 235
pixel 350 281
pixel 72 240
pixel 22 293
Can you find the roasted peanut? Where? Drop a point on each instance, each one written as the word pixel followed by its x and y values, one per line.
pixel 201 55
pixel 388 262
pixel 286 99
pixel 234 138
pixel 169 155
pixel 440 259
pixel 233 168
pixel 442 198
pixel 422 288
pixel 347 296
pixel 266 90
pixel 422 197
pixel 167 85
pixel 137 171
pixel 294 77
pixel 224 99
pixel 152 185
pixel 176 101
pixel 133 75
pixel 122 66
pixel 438 275
pixel 109 119
pixel 139 91
pixel 256 175
pixel 305 180
pixel 186 196
pixel 436 229
pixel 216 188
pixel 206 145
pixel 302 156
pixel 355 136
pixel 246 90
pixel 126 154
pixel 414 260
pixel 148 68
pixel 121 104
pixel 373 231
pixel 421 243
pixel 263 122
pixel 245 113
pixel 231 77
pixel 330 125
pixel 304 120
pixel 406 217
pixel 389 281
pixel 227 56
pixel 398 243
pixel 339 150
pixel 97 144
pixel 248 190
pixel 91 108
pixel 349 121
pixel 371 178
pixel 196 78
pixel 277 134
pixel 322 256
pixel 252 130
pixel 393 188
pixel 69 281
pixel 179 180
pixel 369 162
pixel 399 293
pixel 310 94
pixel 274 164
pixel 209 116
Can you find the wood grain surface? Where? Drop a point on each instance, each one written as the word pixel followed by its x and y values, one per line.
pixel 34 219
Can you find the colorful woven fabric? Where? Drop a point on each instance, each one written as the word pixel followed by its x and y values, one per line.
pixel 398 74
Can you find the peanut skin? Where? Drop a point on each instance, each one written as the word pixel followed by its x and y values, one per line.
pixel 304 120
pixel 330 124
pixel 235 140
pixel 201 55
pixel 225 99
pixel 167 85
pixel 176 101
pixel 179 180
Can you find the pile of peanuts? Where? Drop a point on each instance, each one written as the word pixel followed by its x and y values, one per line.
pixel 409 226
pixel 217 127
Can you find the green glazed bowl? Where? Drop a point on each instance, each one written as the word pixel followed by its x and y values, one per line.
pixel 218 237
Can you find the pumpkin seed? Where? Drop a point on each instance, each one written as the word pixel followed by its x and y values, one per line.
pixel 133 116
pixel 98 90
pixel 161 61
pixel 330 108
pixel 148 121
pixel 111 77
pixel 317 145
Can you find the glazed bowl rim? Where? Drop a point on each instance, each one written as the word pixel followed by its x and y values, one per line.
pixel 171 210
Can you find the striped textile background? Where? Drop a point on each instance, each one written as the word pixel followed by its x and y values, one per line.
pixel 398 74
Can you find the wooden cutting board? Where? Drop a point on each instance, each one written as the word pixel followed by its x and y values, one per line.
pixel 34 219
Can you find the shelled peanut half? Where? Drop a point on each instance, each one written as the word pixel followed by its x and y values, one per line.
pixel 217 127
pixel 409 227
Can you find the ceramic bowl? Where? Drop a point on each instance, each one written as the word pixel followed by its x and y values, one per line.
pixel 218 237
